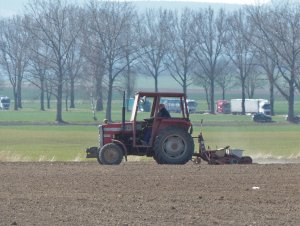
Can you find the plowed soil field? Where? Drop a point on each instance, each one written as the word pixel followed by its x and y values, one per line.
pixel 144 193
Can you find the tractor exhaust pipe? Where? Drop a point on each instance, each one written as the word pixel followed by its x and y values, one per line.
pixel 123 112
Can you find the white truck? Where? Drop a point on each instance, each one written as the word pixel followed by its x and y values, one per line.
pixel 251 106
pixel 4 103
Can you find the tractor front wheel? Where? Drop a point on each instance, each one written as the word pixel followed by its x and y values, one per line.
pixel 173 145
pixel 110 154
pixel 98 157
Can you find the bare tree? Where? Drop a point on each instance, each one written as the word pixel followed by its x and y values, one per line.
pixel 225 76
pixel 210 35
pixel 38 69
pixel 180 59
pixel 109 20
pixel 203 81
pixel 94 68
pixel 129 75
pixel 54 21
pixel 283 39
pixel 75 56
pixel 268 66
pixel 131 53
pixel 129 79
pixel 266 57
pixel 14 41
pixel 153 42
pixel 240 50
pixel 74 69
pixel 94 64
pixel 253 81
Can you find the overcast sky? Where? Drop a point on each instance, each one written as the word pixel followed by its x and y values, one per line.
pixel 10 7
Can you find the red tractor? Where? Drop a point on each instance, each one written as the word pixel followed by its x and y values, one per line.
pixel 167 139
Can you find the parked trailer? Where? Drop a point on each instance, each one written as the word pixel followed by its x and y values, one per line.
pixel 251 106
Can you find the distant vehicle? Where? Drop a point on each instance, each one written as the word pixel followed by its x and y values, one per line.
pixel 143 105
pixel 261 117
pixel 296 119
pixel 223 107
pixel 251 106
pixel 4 103
pixel 173 105
pixel 192 106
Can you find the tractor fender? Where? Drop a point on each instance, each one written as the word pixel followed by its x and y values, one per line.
pixel 123 147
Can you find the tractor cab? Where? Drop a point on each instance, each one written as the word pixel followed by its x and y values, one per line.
pixel 146 125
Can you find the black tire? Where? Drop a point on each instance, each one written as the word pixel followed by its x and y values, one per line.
pixel 173 145
pixel 245 160
pixel 98 159
pixel 110 154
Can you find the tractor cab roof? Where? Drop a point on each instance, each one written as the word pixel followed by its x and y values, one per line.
pixel 163 94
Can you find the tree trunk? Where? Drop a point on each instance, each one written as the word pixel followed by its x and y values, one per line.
pixel 184 86
pixel 42 98
pixel 243 97
pixel 66 102
pixel 15 99
pixel 223 93
pixel 130 80
pixel 59 99
pixel 109 100
pixel 72 93
pixel 98 91
pixel 19 91
pixel 109 96
pixel 156 83
pixel 42 94
pixel 291 101
pixel 207 98
pixel 212 96
pixel 48 101
pixel 272 99
pixel 48 95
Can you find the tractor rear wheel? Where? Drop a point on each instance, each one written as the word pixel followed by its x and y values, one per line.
pixel 110 154
pixel 173 145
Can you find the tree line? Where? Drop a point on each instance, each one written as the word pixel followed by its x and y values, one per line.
pixel 54 45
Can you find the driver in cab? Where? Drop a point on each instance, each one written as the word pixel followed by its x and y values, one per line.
pixel 163 112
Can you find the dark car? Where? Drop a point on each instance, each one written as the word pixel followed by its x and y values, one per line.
pixel 296 119
pixel 261 117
